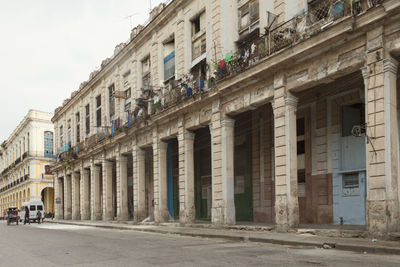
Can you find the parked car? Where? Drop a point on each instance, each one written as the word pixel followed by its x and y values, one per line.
pixel 12 215
pixel 33 206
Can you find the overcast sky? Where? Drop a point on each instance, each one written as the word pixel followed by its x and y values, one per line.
pixel 48 47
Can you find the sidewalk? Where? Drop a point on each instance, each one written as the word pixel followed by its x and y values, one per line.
pixel 262 236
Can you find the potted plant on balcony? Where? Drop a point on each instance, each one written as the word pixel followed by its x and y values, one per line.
pixel 357 9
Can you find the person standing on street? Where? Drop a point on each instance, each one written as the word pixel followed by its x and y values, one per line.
pixel 27 216
pixel 38 216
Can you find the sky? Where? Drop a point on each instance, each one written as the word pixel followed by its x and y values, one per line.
pixel 48 47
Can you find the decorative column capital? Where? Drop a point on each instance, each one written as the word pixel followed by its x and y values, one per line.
pixel 189 135
pixel 162 145
pixel 95 167
pixel 122 158
pixel 279 81
pixel 140 152
pixel 107 163
pixel 227 122
pixel 364 72
pixel 291 101
pixel 391 65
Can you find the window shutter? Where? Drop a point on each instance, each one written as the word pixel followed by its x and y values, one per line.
pixel 244 20
pixel 254 12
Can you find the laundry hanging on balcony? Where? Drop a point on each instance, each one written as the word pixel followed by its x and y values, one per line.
pixel 229 56
pixel 189 91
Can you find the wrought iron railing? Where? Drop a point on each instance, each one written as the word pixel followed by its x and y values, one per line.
pixel 317 18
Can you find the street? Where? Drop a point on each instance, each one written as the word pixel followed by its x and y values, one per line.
pixel 65 245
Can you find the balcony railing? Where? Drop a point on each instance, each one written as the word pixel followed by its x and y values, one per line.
pixel 254 48
pixel 15 183
pixel 301 27
pixel 27 155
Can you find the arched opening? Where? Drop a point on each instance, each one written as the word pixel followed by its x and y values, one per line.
pixel 47 197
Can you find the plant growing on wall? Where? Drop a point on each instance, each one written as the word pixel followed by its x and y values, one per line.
pixel 356 7
pixel 3 145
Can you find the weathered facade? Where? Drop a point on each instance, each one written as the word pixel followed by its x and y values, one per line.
pixel 280 112
pixel 25 160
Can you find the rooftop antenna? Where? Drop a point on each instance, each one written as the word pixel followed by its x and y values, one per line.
pixel 130 18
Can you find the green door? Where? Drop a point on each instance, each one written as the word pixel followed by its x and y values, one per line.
pixel 202 174
pixel 243 169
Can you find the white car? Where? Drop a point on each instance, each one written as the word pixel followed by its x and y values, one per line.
pixel 34 206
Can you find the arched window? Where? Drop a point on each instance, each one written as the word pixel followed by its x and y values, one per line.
pixel 48 144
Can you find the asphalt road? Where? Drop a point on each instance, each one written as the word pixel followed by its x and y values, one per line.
pixel 66 245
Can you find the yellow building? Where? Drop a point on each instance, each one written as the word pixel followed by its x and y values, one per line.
pixel 25 158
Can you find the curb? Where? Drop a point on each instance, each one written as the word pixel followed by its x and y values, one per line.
pixel 338 246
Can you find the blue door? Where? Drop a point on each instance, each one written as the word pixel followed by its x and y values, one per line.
pixel 351 178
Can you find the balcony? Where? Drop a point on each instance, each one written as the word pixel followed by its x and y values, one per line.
pixel 252 49
pixel 320 16
pixel 15 183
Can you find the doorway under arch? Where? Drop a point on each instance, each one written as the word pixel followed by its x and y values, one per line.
pixel 47 196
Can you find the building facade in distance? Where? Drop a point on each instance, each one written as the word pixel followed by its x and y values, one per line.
pixel 278 112
pixel 25 159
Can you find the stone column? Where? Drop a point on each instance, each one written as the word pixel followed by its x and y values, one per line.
pixel 382 207
pixel 76 211
pixel 122 188
pixel 139 189
pixel 390 68
pixel 85 194
pixel 163 214
pixel 218 204
pixel 96 202
pixel 189 214
pixel 68 197
pixel 286 198
pixel 58 189
pixel 227 171
pixel 108 214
